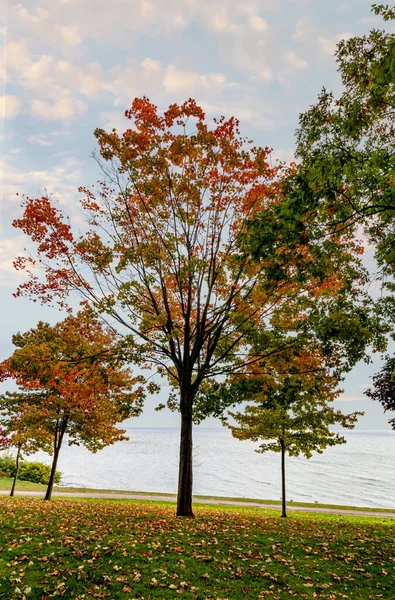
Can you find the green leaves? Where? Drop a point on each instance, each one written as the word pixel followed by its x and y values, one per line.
pixel 346 144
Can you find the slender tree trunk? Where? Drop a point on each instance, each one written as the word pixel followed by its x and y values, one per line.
pixel 18 456
pixel 283 497
pixel 184 497
pixel 61 426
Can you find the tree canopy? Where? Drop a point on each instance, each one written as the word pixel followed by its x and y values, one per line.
pixel 290 411
pixel 69 381
pixel 346 144
pixel 166 256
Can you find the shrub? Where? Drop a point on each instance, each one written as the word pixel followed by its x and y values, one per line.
pixel 7 464
pixel 36 472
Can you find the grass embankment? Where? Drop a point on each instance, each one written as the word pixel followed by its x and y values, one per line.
pixel 26 486
pixel 124 550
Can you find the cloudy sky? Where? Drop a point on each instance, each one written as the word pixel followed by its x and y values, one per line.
pixel 72 65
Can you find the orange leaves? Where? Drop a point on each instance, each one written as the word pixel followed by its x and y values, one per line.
pixel 70 372
pixel 180 114
pixel 45 225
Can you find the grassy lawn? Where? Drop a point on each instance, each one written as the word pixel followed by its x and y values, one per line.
pixel 27 486
pixel 114 549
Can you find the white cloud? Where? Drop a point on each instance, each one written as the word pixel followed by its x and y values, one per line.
pixel 150 77
pixel 50 79
pixel 151 65
pixel 286 155
pixel 41 140
pixel 349 398
pixel 292 59
pixel 328 45
pixel 9 107
pixel 304 28
pixel 9 249
pixel 62 180
pixel 258 24
pixel 247 112
pixel 266 74
pixel 70 36
pixel 180 21
pixel 18 55
pixel 240 112
pixel 143 79
pixel 147 11
pixel 37 75
pixel 220 22
pixel 39 16
pixel 188 81
pixel 369 20
pixel 63 109
pixel 113 120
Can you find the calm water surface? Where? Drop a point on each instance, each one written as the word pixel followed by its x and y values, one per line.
pixel 361 472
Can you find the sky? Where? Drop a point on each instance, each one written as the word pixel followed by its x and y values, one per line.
pixel 70 66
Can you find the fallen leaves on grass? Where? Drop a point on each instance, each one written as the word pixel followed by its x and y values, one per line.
pixel 86 550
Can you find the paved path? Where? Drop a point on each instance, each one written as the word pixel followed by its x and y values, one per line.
pixel 135 496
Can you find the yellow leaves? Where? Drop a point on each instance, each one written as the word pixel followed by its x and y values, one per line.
pixel 136 576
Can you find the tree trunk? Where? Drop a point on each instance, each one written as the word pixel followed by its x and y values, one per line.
pixel 59 433
pixel 283 498
pixel 184 497
pixel 18 455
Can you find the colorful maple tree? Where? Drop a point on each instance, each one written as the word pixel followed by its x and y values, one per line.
pixel 163 255
pixel 69 383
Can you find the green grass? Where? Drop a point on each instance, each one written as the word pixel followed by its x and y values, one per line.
pixel 21 486
pixel 89 549
pixel 26 486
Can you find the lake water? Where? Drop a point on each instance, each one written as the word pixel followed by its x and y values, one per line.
pixel 361 472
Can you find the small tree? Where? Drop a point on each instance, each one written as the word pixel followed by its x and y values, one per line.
pixel 69 383
pixel 290 414
pixel 383 388
pixel 20 434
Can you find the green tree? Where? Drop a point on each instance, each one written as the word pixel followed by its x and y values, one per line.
pixel 291 415
pixel 346 178
pixel 22 437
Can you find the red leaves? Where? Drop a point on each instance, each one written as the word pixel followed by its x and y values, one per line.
pixel 5 440
pixel 45 225
pixel 68 374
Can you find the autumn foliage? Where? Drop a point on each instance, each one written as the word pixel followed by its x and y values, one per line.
pixel 68 383
pixel 163 254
